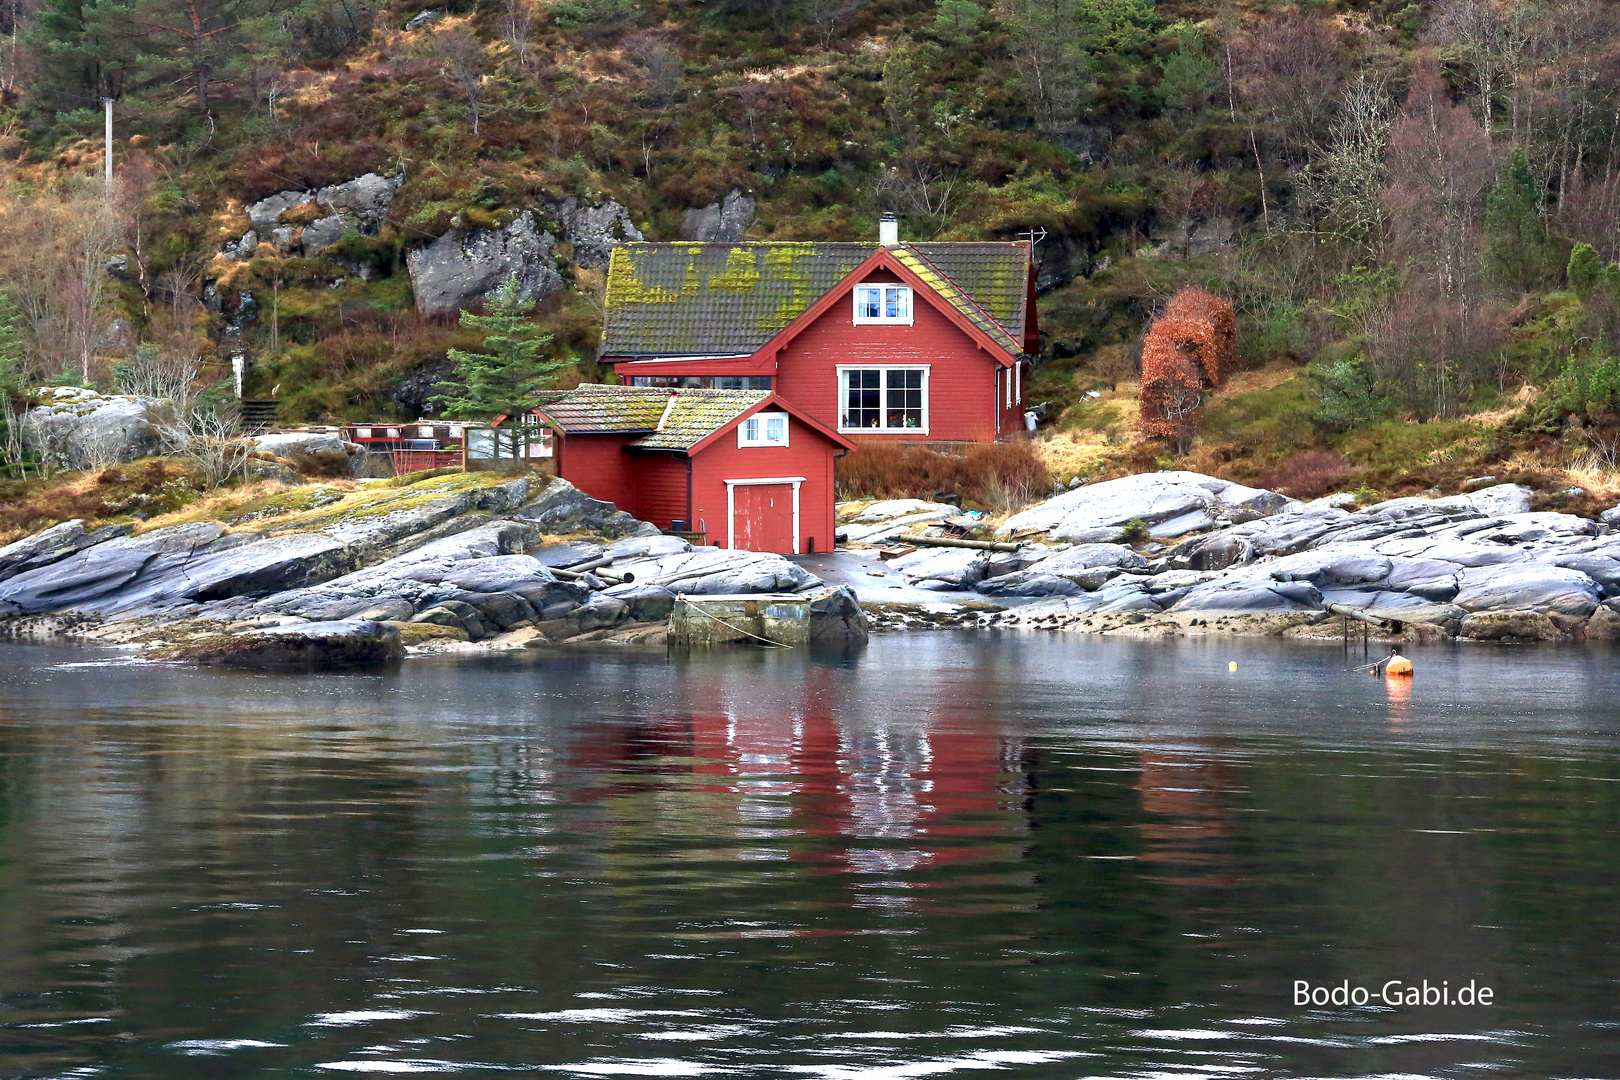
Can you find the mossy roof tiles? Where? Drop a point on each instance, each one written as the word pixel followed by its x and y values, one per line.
pixel 695 415
pixel 730 299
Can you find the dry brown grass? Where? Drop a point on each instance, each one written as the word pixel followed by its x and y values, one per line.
pixel 27 506
pixel 222 502
pixel 998 477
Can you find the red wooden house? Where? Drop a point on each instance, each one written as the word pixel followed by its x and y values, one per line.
pixel 743 467
pixel 901 341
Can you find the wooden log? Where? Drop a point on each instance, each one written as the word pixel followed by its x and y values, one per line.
pixel 1362 616
pixel 977 545
pixel 579 570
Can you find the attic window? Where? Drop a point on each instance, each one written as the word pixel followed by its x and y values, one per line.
pixel 763 429
pixel 883 304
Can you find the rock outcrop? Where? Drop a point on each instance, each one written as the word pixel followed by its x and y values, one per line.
pixel 312 444
pixel 320 577
pixel 724 222
pixel 1478 565
pixel 360 204
pixel 75 428
pixel 594 230
pixel 459 269
pixel 1170 504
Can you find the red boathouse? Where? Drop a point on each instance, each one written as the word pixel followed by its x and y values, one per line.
pixel 743 467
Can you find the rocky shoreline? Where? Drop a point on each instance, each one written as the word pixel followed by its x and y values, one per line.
pixel 319 576
pixel 1176 553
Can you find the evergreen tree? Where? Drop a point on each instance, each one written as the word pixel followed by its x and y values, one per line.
pixel 504 379
pixel 1190 77
pixel 1589 277
pixel 11 347
pixel 1521 253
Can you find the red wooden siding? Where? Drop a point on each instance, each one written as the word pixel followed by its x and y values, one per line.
pixel 660 486
pixel 961 379
pixel 652 485
pixel 596 465
pixel 808 454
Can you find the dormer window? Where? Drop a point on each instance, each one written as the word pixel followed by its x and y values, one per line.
pixel 883 304
pixel 763 429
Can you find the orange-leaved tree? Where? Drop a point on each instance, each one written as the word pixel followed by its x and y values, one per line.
pixel 1189 349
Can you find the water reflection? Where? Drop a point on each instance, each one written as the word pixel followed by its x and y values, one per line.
pixel 1048 857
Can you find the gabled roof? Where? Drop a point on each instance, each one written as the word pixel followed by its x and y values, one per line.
pixel 731 299
pixel 681 419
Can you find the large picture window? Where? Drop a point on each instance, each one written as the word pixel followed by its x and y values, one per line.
pixel 883 304
pixel 883 399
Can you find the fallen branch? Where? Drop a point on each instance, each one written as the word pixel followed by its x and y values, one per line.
pixel 977 545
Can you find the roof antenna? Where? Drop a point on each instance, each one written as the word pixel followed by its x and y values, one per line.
pixel 1035 235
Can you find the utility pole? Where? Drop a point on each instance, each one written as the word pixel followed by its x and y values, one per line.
pixel 106 104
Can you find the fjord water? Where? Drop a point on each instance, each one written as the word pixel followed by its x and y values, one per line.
pixel 944 855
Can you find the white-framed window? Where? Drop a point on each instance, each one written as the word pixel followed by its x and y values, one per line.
pixel 883 399
pixel 878 303
pixel 763 429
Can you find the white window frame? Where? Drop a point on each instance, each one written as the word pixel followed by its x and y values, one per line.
pixel 753 481
pixel 911 304
pixel 843 400
pixel 764 419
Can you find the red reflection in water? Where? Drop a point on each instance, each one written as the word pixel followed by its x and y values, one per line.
pixel 1187 813
pixel 790 756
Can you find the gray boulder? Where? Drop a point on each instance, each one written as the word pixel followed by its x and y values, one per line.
pixel 563 508
pixel 889 510
pixel 288 443
pixel 368 196
pixel 645 547
pixel 836 618
pixel 943 568
pixel 266 213
pixel 458 270
pixel 718 572
pixel 489 574
pixel 323 232
pixel 646 603
pixel 1527 587
pixel 74 428
pixel 595 231
pixel 1251 595
pixel 1170 503
pixel 724 222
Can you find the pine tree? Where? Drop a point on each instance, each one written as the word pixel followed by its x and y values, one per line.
pixel 504 379
pixel 1520 252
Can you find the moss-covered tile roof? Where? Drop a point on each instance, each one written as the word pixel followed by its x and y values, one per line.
pixel 689 299
pixel 694 415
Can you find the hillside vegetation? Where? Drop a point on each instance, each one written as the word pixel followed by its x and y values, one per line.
pixel 1414 208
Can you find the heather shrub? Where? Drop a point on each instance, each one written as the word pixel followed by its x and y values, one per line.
pixel 1311 474
pixel 1000 477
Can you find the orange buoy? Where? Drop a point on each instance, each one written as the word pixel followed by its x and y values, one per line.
pixel 1398 666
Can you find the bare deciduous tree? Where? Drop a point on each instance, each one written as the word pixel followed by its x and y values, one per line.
pixel 461 60
pixel 1431 343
